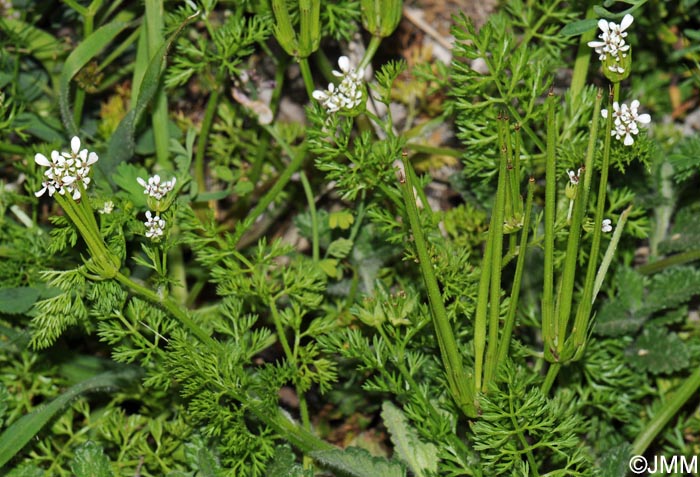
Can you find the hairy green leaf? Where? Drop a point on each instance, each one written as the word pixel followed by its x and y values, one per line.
pixel 90 461
pixel 17 300
pixel 283 465
pixel 625 313
pixel 421 457
pixel 658 351
pixel 357 462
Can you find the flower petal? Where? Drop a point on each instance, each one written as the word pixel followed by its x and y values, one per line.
pixel 75 145
pixel 626 22
pixel 42 160
pixel 643 118
pixel 344 64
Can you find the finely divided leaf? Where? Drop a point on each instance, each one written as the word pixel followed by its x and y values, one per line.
pixel 356 462
pixel 420 457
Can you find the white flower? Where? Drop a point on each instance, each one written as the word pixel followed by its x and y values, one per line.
pixel 348 94
pixel 155 188
pixel 575 176
pixel 625 119
pixel 107 208
pixel 66 171
pixel 607 225
pixel 155 226
pixel 612 41
pixel 636 117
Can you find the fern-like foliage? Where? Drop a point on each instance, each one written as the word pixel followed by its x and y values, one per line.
pixel 520 429
pixel 505 67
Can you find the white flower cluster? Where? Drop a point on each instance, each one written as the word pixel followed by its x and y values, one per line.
pixel 348 94
pixel 67 171
pixel 155 188
pixel 107 208
pixel 625 121
pixel 155 226
pixel 607 226
pixel 612 42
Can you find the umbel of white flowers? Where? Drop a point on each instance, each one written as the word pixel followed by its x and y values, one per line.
pixel 155 226
pixel 66 171
pixel 612 42
pixel 155 188
pixel 625 121
pixel 348 94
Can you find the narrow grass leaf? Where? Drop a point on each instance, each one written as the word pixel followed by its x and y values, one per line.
pixel 121 145
pixel 24 429
pixel 86 51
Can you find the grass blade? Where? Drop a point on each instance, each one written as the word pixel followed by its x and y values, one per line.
pixel 86 51
pixel 24 429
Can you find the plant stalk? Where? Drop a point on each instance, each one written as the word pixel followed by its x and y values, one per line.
pixel 452 361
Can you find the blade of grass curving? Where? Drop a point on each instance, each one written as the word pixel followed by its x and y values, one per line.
pixel 87 50
pixel 121 144
pixel 24 429
pixel 159 117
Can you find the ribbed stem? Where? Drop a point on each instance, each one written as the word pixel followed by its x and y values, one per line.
pixel 452 361
pixel 550 333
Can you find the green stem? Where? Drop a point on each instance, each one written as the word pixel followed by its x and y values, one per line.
pixel 314 217
pixel 523 440
pixel 452 361
pixel 296 435
pixel 308 78
pixel 482 305
pixel 292 167
pixel 552 373
pixel 209 115
pixel 550 333
pixel 370 51
pixel 678 259
pixel 672 405
pixel 566 292
pixel 178 273
pixel 496 260
pixel 438 151
pixel 519 268
pixel 583 59
pixel 586 305
pixel 291 358
pixel 173 308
